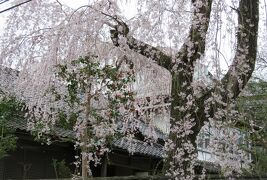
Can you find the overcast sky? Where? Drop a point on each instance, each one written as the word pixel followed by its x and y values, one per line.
pixel 128 12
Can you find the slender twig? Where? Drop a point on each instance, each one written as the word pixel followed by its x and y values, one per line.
pixel 12 7
pixel 4 1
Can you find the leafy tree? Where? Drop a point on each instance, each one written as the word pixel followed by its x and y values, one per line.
pixel 252 105
pixel 10 109
pixel 188 27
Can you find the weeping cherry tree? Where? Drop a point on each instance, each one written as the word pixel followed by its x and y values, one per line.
pixel 174 35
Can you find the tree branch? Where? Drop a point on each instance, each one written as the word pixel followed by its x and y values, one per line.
pixel 140 47
pixel 245 57
pixel 194 47
pixel 197 37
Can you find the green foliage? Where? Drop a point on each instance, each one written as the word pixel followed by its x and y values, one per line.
pixel 89 80
pixel 93 94
pixel 61 169
pixel 62 123
pixel 260 161
pixel 86 71
pixel 253 105
pixel 10 109
pixel 7 144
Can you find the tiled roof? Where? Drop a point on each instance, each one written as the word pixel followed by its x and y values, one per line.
pixel 21 124
pixel 17 124
pixel 138 147
pixel 156 151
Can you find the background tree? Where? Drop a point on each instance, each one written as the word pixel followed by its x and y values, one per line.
pixel 9 109
pixel 185 28
pixel 252 106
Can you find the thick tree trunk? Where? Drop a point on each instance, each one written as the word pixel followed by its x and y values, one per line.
pixel 185 126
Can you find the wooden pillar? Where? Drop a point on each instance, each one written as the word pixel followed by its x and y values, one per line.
pixel 104 166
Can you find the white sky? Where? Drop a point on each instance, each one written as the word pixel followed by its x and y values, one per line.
pixel 128 12
pixel 74 3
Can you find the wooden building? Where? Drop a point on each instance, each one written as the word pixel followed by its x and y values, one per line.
pixel 33 159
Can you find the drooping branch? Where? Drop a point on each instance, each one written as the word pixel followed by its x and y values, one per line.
pixel 246 51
